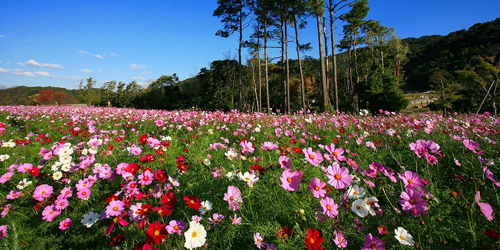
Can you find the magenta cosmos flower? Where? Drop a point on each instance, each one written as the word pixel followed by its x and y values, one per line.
pixel 412 202
pixel 65 224
pixel 339 239
pixel 246 147
pixel 42 191
pixel 146 178
pixel 412 179
pixel 316 186
pixel 233 197
pixel 372 242
pixel 329 207
pixel 339 177
pixel 315 158
pixel 290 181
pixel 50 213
pixel 3 231
pixel 336 153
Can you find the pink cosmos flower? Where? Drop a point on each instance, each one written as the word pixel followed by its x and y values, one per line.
pixel 65 224
pixel 412 179
pixel 134 213
pixel 339 177
pixel 3 231
pixel 13 194
pixel 42 191
pixel 49 213
pixel 259 240
pixel 413 203
pixel 290 181
pixel 24 168
pixel 472 146
pixel 486 208
pixel 268 146
pixel 336 153
pixel 65 193
pixel 236 220
pixel 284 162
pixel 83 193
pixel 316 187
pixel 61 204
pixel 315 158
pixel 490 176
pixel 135 150
pixel 114 208
pixel 175 226
pixel 6 177
pixel 146 178
pixel 233 197
pixel 339 239
pixel 246 147
pixel 6 210
pixel 329 207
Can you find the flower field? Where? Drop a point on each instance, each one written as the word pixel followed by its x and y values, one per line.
pixel 108 178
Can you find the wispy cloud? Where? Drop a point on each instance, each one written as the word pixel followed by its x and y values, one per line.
pixel 137 78
pixel 33 63
pixel 88 53
pixel 113 54
pixel 100 70
pixel 2 36
pixel 146 73
pixel 86 70
pixel 135 66
pixel 20 72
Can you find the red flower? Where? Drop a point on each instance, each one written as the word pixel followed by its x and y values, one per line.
pixel 258 168
pixel 182 167
pixel 118 219
pixel 161 175
pixel 284 233
pixel 314 238
pixel 145 209
pixel 156 232
pixel 169 200
pixel 297 150
pixel 491 233
pixel 192 202
pixel 163 210
pixel 143 139
pixel 132 168
pixel 34 172
pixel 117 240
pixel 111 198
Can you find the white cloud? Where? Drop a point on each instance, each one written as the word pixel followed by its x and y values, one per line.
pixel 83 52
pixel 2 36
pixel 73 78
pixel 112 72
pixel 1 62
pixel 86 70
pixel 135 66
pixel 113 54
pixel 146 73
pixel 35 64
pixel 137 78
pixel 20 72
pixel 100 71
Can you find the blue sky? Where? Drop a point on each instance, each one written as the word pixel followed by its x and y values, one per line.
pixel 58 43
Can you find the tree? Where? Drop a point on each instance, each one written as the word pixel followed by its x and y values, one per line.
pixel 61 98
pixel 233 13
pixel 318 11
pixel 45 97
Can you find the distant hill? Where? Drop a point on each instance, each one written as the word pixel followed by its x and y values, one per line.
pixel 451 52
pixel 20 95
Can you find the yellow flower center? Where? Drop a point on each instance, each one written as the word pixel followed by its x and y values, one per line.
pixel 194 234
pixel 402 237
pixel 157 232
pixel 338 177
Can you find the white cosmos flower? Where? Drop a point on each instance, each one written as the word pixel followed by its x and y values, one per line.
pixel 205 207
pixel 57 175
pixel 65 159
pixel 403 236
pixel 89 219
pixel 359 208
pixel 4 157
pixel 248 177
pixel 230 155
pixel 195 235
pixel 206 162
pixel 230 175
pixel 368 202
pixel 65 151
pixel 355 192
pixel 24 183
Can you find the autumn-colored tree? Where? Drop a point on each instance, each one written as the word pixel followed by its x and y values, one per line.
pixel 61 98
pixel 45 96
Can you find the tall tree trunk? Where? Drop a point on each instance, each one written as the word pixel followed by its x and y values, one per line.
pixel 325 34
pixel 239 59
pixel 266 69
pixel 287 70
pixel 283 68
pixel 300 63
pixel 334 57
pixel 322 59
pixel 357 73
pixel 259 108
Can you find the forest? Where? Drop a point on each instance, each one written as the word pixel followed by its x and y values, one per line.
pixel 369 68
